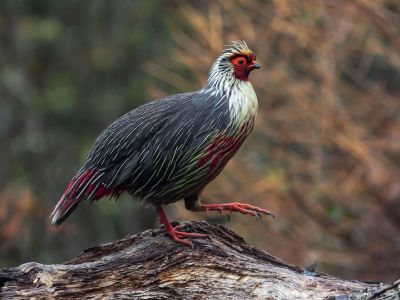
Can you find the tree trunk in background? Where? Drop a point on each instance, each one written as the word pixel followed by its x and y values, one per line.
pixel 150 265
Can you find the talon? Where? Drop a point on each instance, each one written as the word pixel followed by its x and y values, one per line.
pixel 174 233
pixel 180 241
pixel 188 234
pixel 179 226
pixel 238 207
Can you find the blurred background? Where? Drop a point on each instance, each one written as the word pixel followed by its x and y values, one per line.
pixel 324 155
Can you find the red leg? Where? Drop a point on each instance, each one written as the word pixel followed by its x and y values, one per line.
pixel 174 233
pixel 243 208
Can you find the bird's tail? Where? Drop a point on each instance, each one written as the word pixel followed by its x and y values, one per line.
pixel 82 186
pixel 63 209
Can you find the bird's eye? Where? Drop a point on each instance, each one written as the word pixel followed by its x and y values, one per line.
pixel 239 61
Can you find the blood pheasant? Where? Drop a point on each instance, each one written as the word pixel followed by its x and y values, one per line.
pixel 171 149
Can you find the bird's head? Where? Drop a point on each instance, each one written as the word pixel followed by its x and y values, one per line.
pixel 235 62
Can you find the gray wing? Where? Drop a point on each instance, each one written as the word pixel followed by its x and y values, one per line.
pixel 147 145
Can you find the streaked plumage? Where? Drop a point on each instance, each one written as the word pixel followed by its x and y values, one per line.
pixel 171 149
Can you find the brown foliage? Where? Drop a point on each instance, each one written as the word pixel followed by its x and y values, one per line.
pixel 325 153
pixel 15 206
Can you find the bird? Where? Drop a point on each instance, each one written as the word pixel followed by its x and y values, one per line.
pixel 170 149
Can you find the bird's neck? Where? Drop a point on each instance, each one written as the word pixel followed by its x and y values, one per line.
pixel 243 103
pixel 240 95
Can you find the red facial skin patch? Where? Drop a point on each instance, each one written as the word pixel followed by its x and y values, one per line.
pixel 243 65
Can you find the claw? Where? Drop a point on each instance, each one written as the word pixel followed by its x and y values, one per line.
pixel 243 208
pixel 179 226
pixel 174 233
pixel 177 235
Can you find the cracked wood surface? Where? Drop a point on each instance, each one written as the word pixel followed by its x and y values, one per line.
pixel 150 265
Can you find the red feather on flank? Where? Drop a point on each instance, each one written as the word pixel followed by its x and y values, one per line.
pixel 223 148
pixel 74 194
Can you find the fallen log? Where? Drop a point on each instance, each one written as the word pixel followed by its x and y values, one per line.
pixel 150 265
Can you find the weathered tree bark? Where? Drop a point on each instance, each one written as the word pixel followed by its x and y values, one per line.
pixel 150 265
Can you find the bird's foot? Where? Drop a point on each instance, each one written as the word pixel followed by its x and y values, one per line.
pixel 174 233
pixel 242 208
pixel 178 235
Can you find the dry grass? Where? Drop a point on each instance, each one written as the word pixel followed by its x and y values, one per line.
pixel 325 153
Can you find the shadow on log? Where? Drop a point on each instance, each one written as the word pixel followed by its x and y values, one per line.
pixel 150 265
